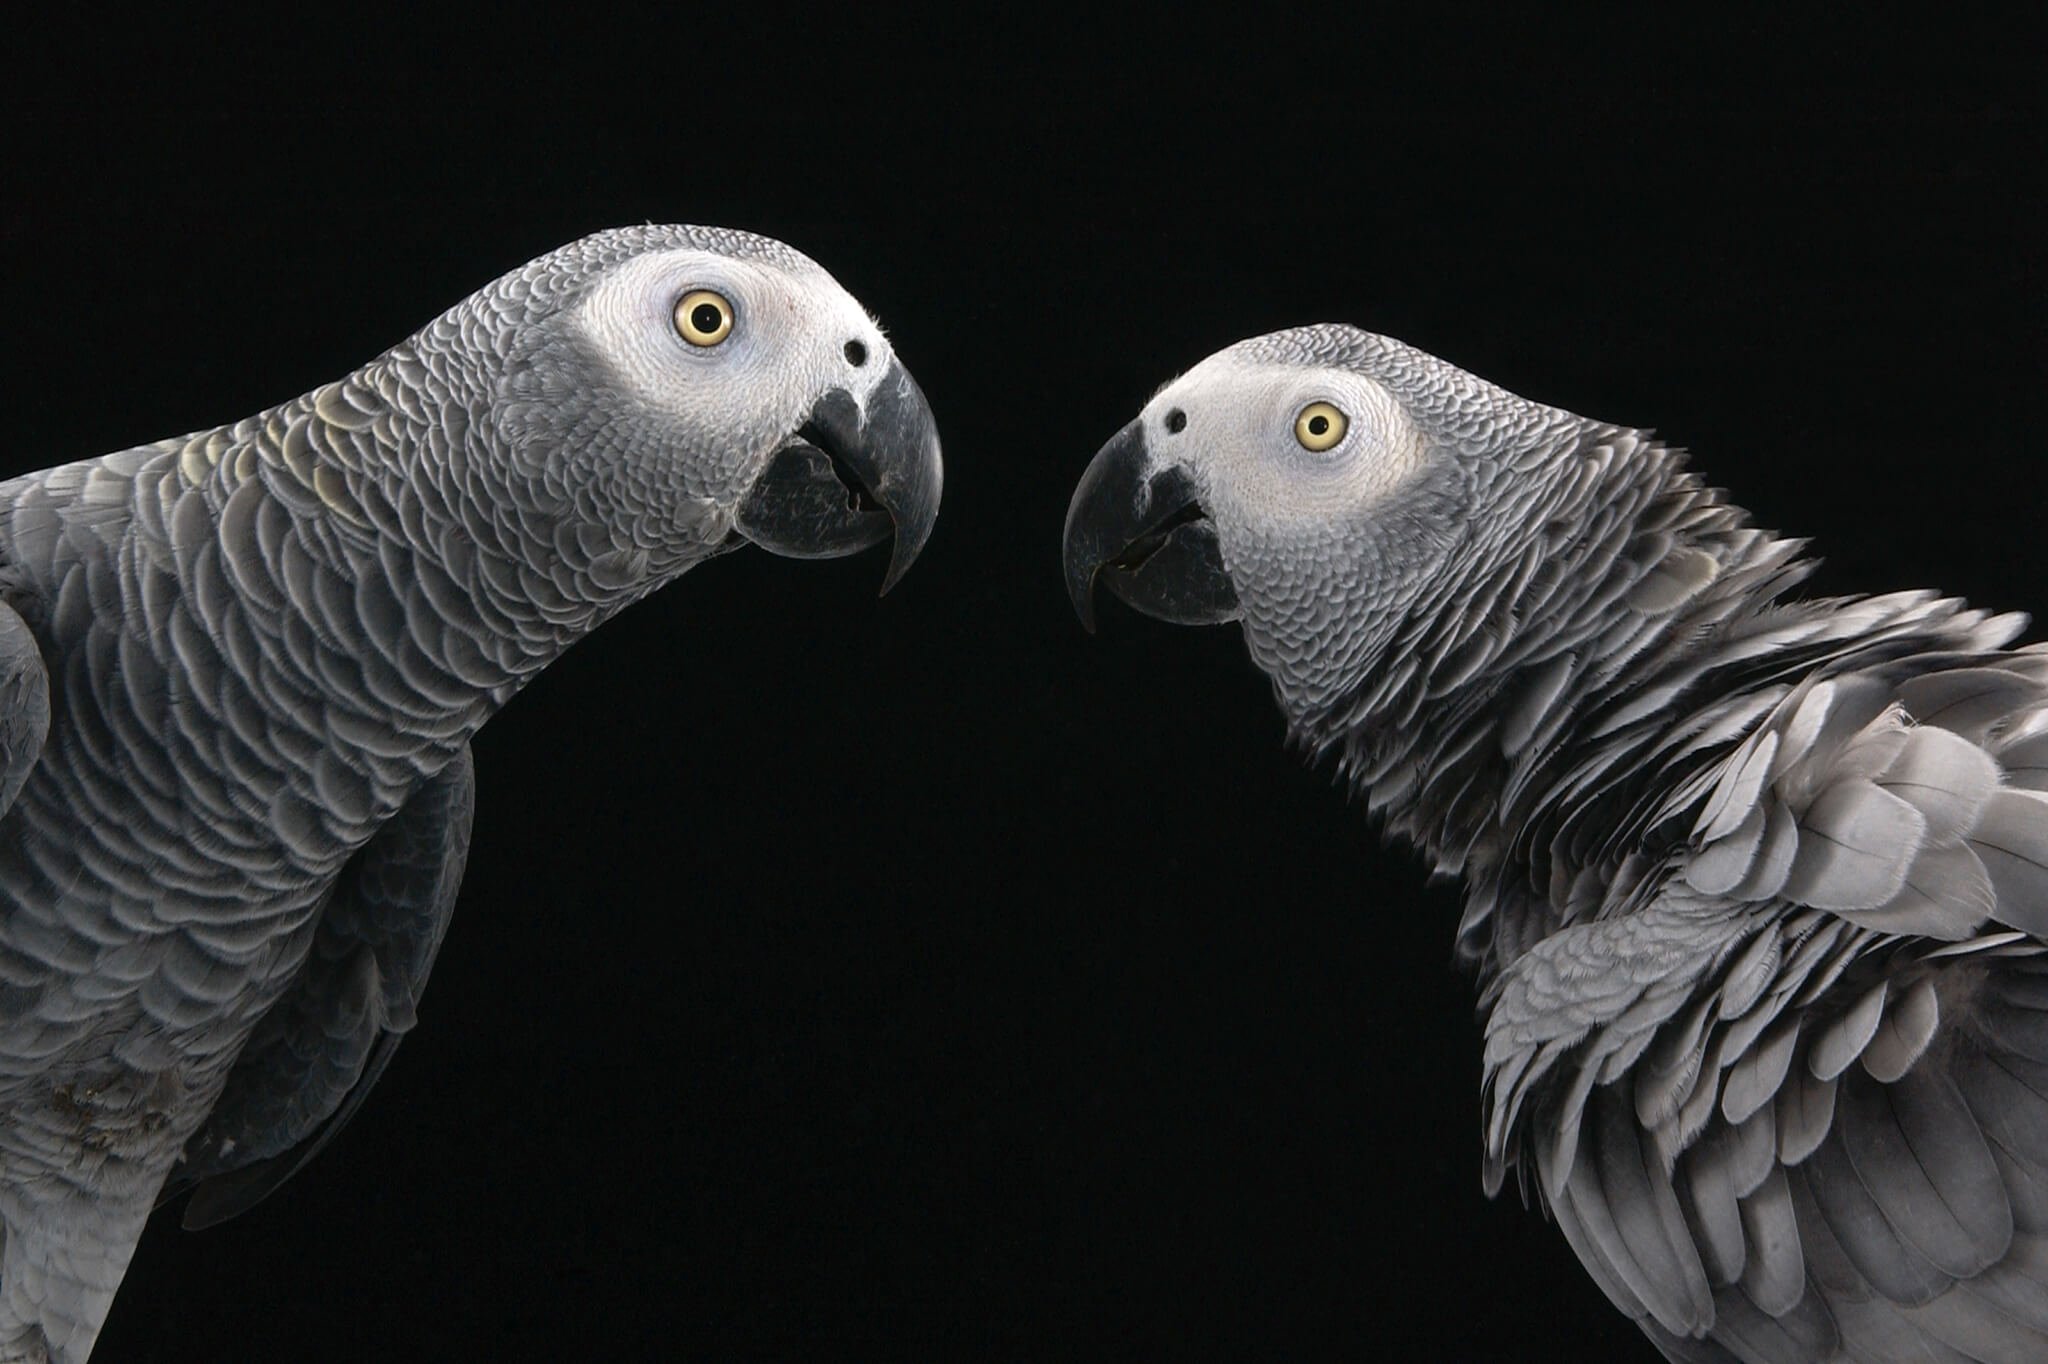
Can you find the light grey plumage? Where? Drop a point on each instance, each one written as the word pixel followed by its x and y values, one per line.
pixel 239 674
pixel 1756 888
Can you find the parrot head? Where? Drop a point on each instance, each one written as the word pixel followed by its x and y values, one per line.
pixel 1332 491
pixel 653 373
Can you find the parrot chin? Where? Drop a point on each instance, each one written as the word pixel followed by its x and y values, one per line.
pixel 1148 540
pixel 844 479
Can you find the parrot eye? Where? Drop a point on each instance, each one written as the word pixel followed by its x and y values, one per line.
pixel 1319 426
pixel 703 318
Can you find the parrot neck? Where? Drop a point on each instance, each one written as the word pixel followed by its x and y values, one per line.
pixel 518 553
pixel 1517 746
pixel 388 561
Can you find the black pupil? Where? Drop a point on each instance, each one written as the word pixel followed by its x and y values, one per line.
pixel 1318 424
pixel 705 317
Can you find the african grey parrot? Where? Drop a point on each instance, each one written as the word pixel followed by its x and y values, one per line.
pixel 1756 887
pixel 240 670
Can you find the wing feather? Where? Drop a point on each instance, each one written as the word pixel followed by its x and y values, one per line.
pixel 24 704
pixel 322 1047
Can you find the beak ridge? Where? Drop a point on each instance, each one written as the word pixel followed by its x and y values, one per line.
pixel 909 476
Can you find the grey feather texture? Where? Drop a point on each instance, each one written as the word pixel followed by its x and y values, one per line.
pixel 1756 888
pixel 240 670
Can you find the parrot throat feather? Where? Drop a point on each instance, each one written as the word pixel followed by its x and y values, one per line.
pixel 1519 722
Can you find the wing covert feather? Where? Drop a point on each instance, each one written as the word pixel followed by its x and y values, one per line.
pixel 319 1051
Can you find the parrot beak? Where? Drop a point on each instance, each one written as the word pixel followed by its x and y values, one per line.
pixel 846 477
pixel 1147 538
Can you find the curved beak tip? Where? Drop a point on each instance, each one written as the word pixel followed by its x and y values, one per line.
pixel 900 560
pixel 915 510
pixel 910 490
pixel 1084 607
pixel 1081 585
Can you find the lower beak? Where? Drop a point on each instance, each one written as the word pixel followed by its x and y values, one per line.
pixel 847 477
pixel 1146 538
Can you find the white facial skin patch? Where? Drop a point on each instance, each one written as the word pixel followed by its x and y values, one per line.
pixel 1242 436
pixel 787 342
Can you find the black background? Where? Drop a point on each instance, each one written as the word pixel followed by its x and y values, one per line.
pixel 919 978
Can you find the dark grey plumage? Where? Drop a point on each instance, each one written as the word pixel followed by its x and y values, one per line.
pixel 260 653
pixel 1756 888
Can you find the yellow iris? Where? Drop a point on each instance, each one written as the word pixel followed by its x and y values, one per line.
pixel 1319 426
pixel 703 318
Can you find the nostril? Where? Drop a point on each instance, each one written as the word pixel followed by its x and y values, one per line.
pixel 856 354
pixel 1176 421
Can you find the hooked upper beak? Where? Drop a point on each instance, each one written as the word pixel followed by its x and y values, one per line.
pixel 1148 539
pixel 847 476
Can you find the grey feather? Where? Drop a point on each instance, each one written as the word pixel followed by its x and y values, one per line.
pixel 1968 701
pixel 1774 1273
pixel 1916 1149
pixel 1838 1045
pixel 1857 1222
pixel 1750 975
pixel 1807 1332
pixel 1947 895
pixel 1708 1178
pixel 1945 777
pixel 1646 1212
pixel 1735 794
pixel 1755 1079
pixel 2011 840
pixel 1723 864
pixel 1903 1033
pixel 1593 1252
pixel 1979 1328
pixel 1856 843
pixel 1806 1111
pixel 2018 1287
pixel 24 700
pixel 2026 763
pixel 1773 862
